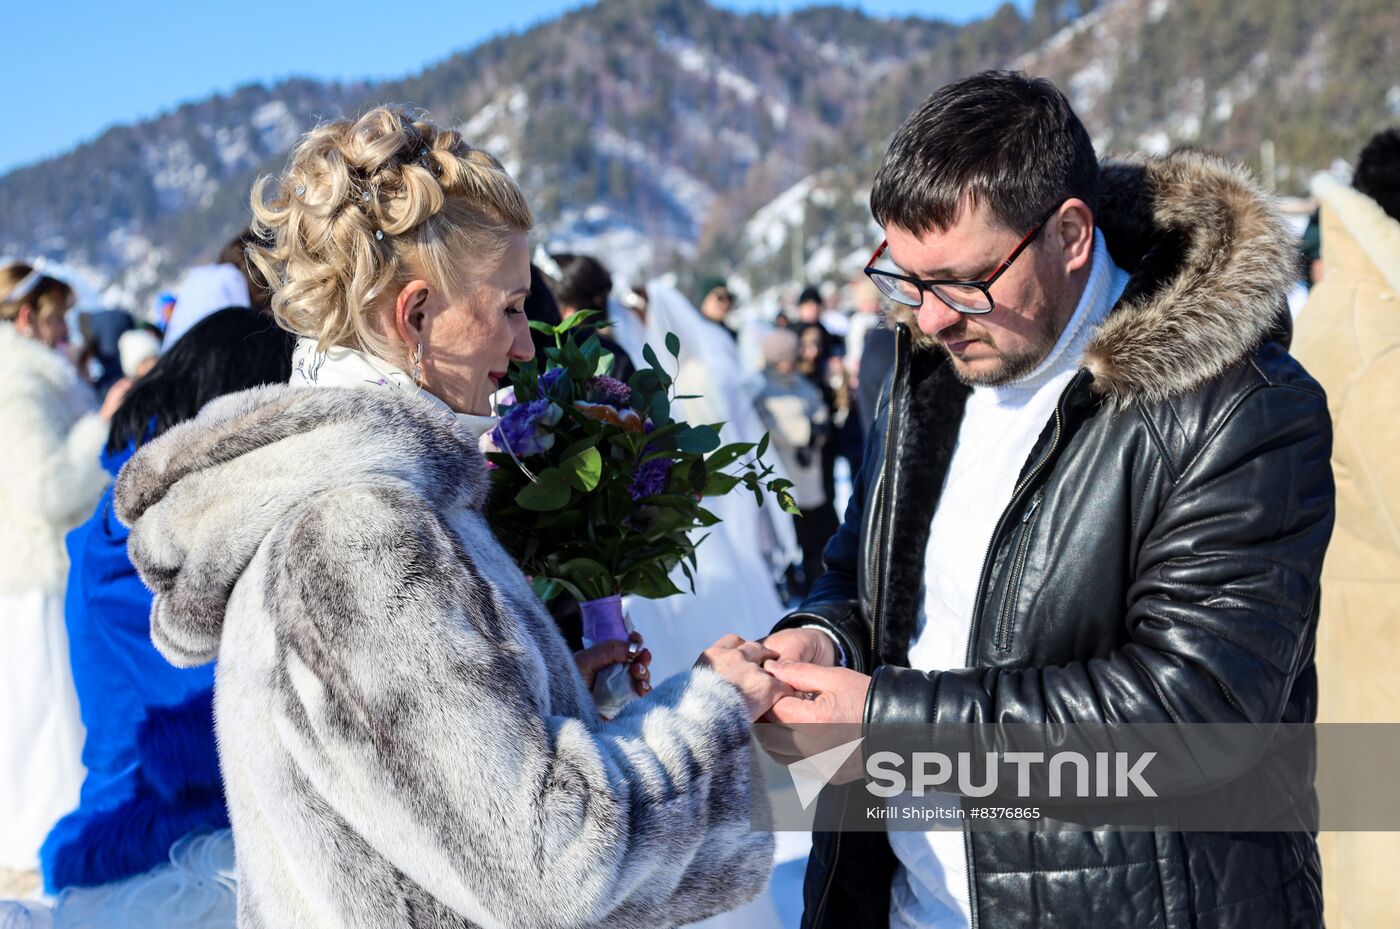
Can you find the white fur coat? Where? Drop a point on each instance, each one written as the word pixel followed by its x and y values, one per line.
pixel 50 472
pixel 404 736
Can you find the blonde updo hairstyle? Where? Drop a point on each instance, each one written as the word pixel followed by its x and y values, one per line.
pixel 47 295
pixel 367 205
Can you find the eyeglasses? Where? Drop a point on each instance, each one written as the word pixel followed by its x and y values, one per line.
pixel 971 297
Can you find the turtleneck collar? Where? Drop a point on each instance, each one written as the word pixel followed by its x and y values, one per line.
pixel 339 366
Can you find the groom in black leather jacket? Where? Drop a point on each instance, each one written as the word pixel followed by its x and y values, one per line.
pixel 1153 558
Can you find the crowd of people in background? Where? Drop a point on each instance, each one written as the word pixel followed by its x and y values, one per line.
pixel 107 756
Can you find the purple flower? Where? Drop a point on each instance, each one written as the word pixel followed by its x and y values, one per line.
pixel 609 390
pixel 522 428
pixel 548 379
pixel 650 478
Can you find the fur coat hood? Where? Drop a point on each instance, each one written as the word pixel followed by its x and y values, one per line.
pixel 404 737
pixel 1210 261
pixel 50 475
pixel 192 541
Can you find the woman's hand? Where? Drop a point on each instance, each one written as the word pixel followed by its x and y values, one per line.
pixel 741 663
pixel 606 654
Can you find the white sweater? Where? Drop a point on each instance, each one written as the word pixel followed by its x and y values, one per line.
pixel 999 428
pixel 50 473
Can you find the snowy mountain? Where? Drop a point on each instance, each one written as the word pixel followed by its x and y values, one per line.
pixel 673 135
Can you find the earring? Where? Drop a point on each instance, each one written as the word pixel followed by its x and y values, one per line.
pixel 417 372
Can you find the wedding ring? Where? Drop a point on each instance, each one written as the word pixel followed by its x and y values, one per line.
pixel 632 649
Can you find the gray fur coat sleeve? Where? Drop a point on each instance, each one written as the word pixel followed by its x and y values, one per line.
pixel 424 720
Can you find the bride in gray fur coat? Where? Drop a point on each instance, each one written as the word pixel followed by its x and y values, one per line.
pixel 405 738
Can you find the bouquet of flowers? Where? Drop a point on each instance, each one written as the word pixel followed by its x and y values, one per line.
pixel 597 488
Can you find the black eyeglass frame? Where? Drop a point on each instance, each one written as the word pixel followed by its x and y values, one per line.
pixel 931 286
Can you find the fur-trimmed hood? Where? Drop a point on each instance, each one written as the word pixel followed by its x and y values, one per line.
pixel 1210 261
pixel 201 498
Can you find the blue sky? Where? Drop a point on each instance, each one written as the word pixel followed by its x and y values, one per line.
pixel 75 68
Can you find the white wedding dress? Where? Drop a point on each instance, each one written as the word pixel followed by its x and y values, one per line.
pixel 196 890
pixel 735 587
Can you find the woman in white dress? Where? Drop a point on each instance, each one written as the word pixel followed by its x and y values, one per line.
pixel 735 589
pixel 735 584
pixel 50 478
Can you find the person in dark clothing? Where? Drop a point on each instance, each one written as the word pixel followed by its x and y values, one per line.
pixel 876 362
pixel 1095 492
pixel 102 331
pixel 575 282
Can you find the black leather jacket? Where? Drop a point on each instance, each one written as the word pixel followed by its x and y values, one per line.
pixel 1158 562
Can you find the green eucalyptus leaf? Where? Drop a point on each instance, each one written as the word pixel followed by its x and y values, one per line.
pixel 584 470
pixel 720 484
pixel 699 439
pixel 589 441
pixel 545 588
pixel 728 455
pixel 673 344
pixel 550 492
pixel 590 577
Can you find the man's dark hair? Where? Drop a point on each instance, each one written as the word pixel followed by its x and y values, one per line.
pixel 584 283
pixel 809 295
pixel 1378 171
pixel 1007 141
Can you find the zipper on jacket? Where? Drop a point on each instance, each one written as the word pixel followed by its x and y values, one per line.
pixel 981 590
pixel 1002 638
pixel 874 600
pixel 1001 521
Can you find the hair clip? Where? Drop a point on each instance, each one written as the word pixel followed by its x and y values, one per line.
pixel 379 235
pixel 364 195
pixel 301 190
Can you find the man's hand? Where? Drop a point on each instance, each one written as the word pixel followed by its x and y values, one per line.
pixel 832 695
pixel 811 646
pixel 741 663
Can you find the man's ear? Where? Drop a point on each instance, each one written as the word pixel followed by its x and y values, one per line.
pixel 1072 228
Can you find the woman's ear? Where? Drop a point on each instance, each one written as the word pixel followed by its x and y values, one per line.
pixel 24 322
pixel 410 311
